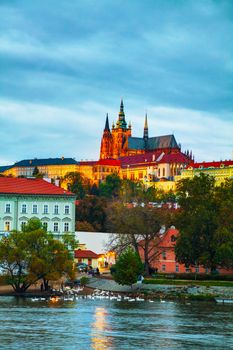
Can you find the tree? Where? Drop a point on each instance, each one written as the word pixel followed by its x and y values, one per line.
pixel 92 210
pixel 110 188
pixel 36 173
pixel 132 191
pixel 139 228
pixel 77 183
pixel 31 255
pixel 128 267
pixel 205 222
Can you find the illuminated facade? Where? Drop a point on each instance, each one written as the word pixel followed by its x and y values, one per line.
pixel 221 170
pixel 118 142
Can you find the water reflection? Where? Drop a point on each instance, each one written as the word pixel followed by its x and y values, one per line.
pixel 100 339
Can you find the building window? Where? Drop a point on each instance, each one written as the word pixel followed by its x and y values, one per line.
pixel 177 268
pixel 46 209
pixel 34 209
pixel 66 227
pixel 56 209
pixel 24 209
pixel 163 171
pixel 159 173
pixel 163 267
pixel 206 270
pixel 55 227
pixel 23 225
pixel 67 209
pixel 197 269
pixel 7 226
pixel 187 269
pixel 163 255
pixel 8 208
pixel 45 226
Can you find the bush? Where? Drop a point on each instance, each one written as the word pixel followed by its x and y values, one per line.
pixel 84 280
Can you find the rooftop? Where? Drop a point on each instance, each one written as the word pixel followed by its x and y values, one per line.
pixel 12 185
pixel 85 254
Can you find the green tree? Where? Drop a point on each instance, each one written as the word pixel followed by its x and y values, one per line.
pixel 128 267
pixel 29 256
pixel 77 183
pixel 205 222
pixel 110 188
pixel 36 173
pixel 132 191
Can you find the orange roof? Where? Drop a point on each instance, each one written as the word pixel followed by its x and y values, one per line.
pixel 81 253
pixel 31 186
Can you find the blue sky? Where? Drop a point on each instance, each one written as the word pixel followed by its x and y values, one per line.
pixel 65 64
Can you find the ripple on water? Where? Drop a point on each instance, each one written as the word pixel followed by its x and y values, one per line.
pixel 104 324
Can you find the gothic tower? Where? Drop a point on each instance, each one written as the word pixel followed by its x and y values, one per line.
pixel 106 142
pixel 146 134
pixel 120 134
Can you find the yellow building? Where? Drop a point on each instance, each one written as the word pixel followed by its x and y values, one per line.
pixel 53 168
pixel 221 170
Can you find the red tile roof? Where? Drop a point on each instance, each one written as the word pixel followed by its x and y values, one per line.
pixel 16 185
pixel 175 158
pixel 109 162
pixel 137 159
pixel 87 254
pixel 211 164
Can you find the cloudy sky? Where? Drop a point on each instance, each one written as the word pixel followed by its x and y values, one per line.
pixel 65 64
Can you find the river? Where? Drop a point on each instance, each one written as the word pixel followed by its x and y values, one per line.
pixel 107 324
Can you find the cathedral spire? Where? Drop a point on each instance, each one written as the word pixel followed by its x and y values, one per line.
pixel 121 123
pixel 106 124
pixel 145 134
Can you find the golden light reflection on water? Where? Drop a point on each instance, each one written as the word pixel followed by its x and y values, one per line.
pixel 100 327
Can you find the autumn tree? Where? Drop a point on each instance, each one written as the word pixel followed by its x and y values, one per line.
pixel 139 228
pixel 91 210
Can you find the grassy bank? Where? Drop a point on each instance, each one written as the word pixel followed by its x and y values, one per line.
pixel 211 283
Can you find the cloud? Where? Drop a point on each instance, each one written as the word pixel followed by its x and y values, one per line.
pixel 63 66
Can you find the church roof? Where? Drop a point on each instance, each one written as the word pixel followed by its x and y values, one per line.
pixel 158 142
pixel 136 143
pixel 166 141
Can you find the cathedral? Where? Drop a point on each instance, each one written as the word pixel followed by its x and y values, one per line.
pixel 118 142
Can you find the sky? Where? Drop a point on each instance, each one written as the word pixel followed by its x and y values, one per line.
pixel 65 64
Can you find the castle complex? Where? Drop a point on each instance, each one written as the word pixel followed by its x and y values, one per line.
pixel 156 161
pixel 119 142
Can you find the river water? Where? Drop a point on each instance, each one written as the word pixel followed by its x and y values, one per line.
pixel 107 324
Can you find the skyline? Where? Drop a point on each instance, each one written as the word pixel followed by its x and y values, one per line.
pixel 63 68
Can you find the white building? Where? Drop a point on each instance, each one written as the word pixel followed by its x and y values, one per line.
pixel 22 199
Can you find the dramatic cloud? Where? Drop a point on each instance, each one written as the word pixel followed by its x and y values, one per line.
pixel 64 64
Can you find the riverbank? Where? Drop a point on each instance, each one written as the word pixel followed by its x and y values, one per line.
pixel 170 292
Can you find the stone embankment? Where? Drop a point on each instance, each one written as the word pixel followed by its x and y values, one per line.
pixel 163 291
